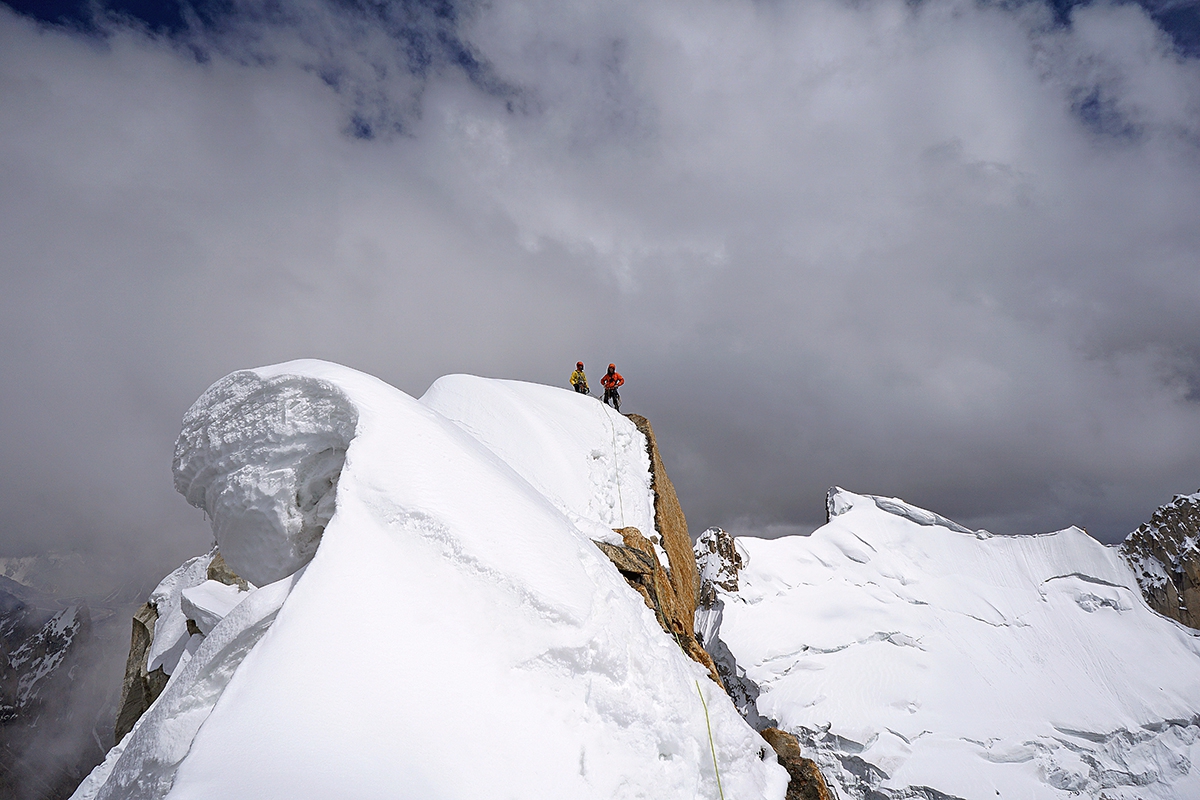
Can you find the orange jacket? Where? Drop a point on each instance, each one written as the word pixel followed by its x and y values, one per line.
pixel 612 380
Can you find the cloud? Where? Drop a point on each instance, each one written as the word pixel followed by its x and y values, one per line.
pixel 945 251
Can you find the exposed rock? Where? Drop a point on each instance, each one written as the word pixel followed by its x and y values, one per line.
pixel 140 688
pixel 1165 555
pixel 741 690
pixel 717 562
pixel 672 528
pixel 641 569
pixel 806 782
pixel 218 570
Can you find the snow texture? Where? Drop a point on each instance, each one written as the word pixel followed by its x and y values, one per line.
pixel 918 659
pixel 262 457
pixel 170 630
pixel 455 635
pixel 209 603
pixel 540 432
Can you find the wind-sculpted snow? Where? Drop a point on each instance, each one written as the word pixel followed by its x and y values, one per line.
pixel 170 628
pixel 261 454
pixel 907 654
pixel 456 634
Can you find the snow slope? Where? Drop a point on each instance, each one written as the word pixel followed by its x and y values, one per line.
pixel 455 635
pixel 909 652
pixel 541 432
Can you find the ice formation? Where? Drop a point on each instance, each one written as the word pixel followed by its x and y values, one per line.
pixel 915 658
pixel 261 454
pixel 456 634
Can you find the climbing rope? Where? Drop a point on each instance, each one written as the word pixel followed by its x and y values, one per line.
pixel 711 746
pixel 616 463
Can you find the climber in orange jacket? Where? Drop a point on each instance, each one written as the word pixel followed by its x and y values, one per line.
pixel 611 380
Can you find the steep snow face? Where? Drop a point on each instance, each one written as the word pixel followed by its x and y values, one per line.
pixel 909 654
pixel 587 459
pixel 456 635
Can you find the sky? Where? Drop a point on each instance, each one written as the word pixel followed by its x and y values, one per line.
pixel 940 250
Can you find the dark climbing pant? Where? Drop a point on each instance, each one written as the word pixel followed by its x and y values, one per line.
pixel 582 388
pixel 611 394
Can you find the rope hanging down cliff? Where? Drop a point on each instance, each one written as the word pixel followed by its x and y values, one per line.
pixel 616 462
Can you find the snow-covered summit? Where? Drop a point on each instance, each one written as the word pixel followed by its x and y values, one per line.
pixel 456 633
pixel 918 658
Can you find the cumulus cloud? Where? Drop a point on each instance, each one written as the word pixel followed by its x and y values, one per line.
pixel 945 251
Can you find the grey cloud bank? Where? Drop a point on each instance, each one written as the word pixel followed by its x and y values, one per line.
pixel 944 251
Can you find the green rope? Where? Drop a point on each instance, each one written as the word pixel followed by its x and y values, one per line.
pixel 711 746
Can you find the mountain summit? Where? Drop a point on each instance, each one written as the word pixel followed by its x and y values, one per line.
pixel 424 613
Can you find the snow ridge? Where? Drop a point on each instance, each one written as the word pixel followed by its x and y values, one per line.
pixel 456 634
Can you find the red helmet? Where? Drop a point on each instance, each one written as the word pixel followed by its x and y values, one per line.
pixel 579 365
pixel 612 366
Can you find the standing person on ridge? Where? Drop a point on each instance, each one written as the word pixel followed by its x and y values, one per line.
pixel 611 381
pixel 579 380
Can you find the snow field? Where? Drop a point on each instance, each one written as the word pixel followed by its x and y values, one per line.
pixel 981 666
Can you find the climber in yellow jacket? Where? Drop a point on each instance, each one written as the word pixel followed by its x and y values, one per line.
pixel 579 380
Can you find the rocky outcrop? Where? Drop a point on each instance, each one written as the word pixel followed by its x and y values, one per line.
pixel 671 591
pixel 140 687
pixel 639 565
pixel 218 570
pixel 671 527
pixel 806 782
pixel 1165 556
pixel 718 563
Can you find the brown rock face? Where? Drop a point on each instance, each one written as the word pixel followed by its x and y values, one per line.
pixel 140 688
pixel 218 570
pixel 806 782
pixel 1165 555
pixel 638 564
pixel 672 528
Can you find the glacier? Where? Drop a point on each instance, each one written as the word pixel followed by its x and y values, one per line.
pixel 915 658
pixel 426 614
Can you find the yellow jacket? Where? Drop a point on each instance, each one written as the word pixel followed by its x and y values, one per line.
pixel 578 378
